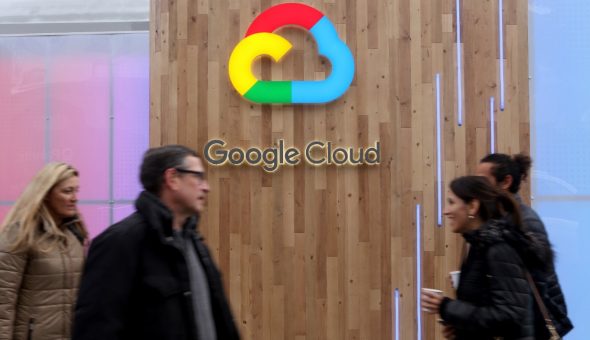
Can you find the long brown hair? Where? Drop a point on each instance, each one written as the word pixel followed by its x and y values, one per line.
pixel 494 203
pixel 30 216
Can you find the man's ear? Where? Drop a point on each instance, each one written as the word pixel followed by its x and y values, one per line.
pixel 170 179
pixel 507 182
pixel 473 207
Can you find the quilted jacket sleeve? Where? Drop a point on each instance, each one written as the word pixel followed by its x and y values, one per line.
pixel 12 267
pixel 509 295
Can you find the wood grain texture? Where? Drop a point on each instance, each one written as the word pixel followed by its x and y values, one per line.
pixel 316 252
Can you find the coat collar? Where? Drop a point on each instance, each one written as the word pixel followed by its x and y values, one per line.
pixel 488 233
pixel 159 216
pixel 518 199
pixel 495 231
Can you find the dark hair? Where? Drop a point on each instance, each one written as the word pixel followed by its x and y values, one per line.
pixel 494 203
pixel 159 159
pixel 517 167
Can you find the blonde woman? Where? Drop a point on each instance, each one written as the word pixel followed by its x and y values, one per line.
pixel 41 257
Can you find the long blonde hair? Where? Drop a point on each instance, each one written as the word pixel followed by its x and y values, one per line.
pixel 35 227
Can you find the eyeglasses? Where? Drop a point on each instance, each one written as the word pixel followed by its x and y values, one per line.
pixel 198 174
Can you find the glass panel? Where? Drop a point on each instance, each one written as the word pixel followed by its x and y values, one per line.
pixel 96 217
pixel 121 211
pixel 22 111
pixel 76 82
pixel 560 118
pixel 559 49
pixel 567 226
pixel 131 107
pixel 80 107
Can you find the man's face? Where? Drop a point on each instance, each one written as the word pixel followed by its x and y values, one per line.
pixel 193 188
pixel 485 169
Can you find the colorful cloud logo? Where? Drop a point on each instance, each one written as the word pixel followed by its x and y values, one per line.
pixel 260 40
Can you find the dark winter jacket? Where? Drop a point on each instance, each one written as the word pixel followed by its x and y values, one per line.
pixel 136 283
pixel 493 298
pixel 545 276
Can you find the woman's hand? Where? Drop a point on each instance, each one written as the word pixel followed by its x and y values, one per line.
pixel 431 302
pixel 449 332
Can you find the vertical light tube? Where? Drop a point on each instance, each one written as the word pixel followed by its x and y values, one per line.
pixel 459 65
pixel 501 50
pixel 418 275
pixel 438 154
pixel 492 127
pixel 396 309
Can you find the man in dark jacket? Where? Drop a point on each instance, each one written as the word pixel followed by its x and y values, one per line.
pixel 150 276
pixel 508 172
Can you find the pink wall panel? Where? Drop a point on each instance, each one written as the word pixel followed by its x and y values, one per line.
pixel 77 81
pixel 131 107
pixel 80 106
pixel 96 218
pixel 22 101
pixel 122 211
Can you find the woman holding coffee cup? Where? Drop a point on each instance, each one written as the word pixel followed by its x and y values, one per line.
pixel 493 296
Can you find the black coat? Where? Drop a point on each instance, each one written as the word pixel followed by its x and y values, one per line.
pixel 136 282
pixel 493 298
pixel 545 277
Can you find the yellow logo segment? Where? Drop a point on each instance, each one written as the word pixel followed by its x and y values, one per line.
pixel 247 50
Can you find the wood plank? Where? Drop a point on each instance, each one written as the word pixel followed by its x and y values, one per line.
pixel 316 252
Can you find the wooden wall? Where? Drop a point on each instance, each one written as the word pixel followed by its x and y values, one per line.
pixel 317 252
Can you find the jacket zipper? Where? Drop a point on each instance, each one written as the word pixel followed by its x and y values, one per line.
pixel 64 294
pixel 31 328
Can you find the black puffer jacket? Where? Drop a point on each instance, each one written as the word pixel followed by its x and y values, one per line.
pixel 493 297
pixel 545 276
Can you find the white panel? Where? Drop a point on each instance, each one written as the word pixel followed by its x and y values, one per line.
pixel 44 11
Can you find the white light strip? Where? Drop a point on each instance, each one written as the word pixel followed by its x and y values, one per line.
pixel 438 154
pixel 396 309
pixel 501 48
pixel 492 127
pixel 459 66
pixel 418 276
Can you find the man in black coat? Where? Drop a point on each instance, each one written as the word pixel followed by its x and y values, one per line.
pixel 507 173
pixel 150 276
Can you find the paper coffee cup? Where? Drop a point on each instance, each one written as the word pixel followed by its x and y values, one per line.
pixel 432 290
pixel 455 275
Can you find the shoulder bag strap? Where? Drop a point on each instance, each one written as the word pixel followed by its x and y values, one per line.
pixel 548 321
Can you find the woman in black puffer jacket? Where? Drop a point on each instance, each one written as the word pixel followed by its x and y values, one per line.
pixel 494 299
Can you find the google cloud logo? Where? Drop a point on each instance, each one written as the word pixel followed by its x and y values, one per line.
pixel 260 40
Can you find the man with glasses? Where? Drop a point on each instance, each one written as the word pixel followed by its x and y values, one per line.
pixel 150 276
